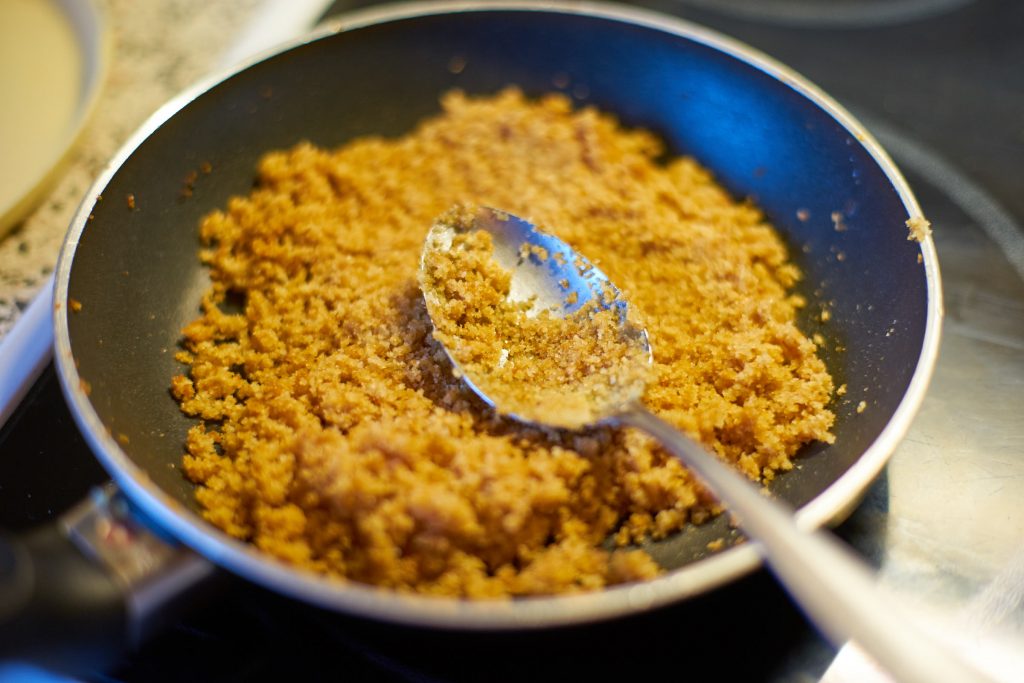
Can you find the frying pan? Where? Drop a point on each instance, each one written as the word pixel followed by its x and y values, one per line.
pixel 128 279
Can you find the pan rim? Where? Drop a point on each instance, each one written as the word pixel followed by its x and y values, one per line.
pixel 243 559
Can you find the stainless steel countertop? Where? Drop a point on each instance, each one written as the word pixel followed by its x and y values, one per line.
pixel 945 521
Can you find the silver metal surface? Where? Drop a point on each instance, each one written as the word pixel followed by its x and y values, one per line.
pixel 153 570
pixel 956 484
pixel 945 523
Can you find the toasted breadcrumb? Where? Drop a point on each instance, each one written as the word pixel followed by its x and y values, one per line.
pixel 838 221
pixel 920 228
pixel 332 433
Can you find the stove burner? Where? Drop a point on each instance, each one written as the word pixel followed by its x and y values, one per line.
pixel 830 13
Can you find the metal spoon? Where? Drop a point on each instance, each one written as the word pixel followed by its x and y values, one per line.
pixel 831 584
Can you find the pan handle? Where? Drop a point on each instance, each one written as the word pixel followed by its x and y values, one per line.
pixel 78 593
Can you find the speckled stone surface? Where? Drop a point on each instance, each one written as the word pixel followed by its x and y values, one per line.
pixel 158 48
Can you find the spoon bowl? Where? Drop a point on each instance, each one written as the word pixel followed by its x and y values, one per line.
pixel 547 278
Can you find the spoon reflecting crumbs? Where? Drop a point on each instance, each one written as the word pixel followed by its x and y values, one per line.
pixel 536 354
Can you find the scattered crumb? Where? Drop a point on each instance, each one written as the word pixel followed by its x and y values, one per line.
pixel 85 386
pixel 123 439
pixel 527 250
pixel 861 406
pixel 841 391
pixel 74 304
pixel 188 184
pixel 838 221
pixel 803 215
pixel 716 545
pixel 920 228
pixel 130 199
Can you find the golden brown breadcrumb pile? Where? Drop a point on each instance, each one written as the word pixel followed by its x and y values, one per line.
pixel 333 434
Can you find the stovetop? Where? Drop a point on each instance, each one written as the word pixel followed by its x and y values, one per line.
pixel 941 84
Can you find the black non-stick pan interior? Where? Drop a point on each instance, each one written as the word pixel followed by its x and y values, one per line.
pixel 137 276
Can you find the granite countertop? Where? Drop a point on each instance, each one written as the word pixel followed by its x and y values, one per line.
pixel 158 48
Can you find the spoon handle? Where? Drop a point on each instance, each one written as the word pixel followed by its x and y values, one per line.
pixel 834 587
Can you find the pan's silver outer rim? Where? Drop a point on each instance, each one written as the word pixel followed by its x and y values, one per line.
pixel 244 560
